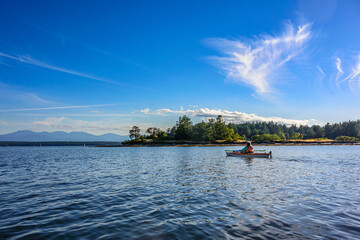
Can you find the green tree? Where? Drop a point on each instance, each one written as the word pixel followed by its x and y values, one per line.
pixel 154 133
pixel 346 139
pixel 216 129
pixel 296 135
pixel 134 133
pixel 183 128
pixel 149 131
pixel 203 131
pixel 318 131
pixel 281 135
pixel 224 132
pixel 221 130
pixel 170 132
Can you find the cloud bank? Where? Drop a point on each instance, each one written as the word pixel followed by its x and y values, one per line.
pixel 229 116
pixel 69 124
pixel 254 63
pixel 95 127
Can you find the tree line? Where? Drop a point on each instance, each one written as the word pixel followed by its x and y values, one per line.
pixel 217 129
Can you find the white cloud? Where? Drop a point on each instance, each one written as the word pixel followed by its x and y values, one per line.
pixel 146 110
pixel 229 116
pixel 254 63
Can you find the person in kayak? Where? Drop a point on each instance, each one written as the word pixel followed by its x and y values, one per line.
pixel 248 148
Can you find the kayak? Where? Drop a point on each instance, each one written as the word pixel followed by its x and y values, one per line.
pixel 234 153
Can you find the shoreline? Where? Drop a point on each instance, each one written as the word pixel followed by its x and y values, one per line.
pixel 189 144
pixel 175 144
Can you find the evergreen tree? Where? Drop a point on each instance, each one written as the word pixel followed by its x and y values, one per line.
pixel 183 128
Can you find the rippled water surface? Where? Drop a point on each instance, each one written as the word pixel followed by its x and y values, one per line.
pixel 303 192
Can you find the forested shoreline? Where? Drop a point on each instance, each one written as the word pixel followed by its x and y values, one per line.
pixel 216 129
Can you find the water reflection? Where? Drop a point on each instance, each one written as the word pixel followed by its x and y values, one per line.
pixel 249 161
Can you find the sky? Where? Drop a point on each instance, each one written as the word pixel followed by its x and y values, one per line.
pixel 105 66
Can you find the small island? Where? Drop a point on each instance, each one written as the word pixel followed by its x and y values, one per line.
pixel 215 132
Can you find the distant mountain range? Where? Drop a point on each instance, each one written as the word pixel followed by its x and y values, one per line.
pixel 30 136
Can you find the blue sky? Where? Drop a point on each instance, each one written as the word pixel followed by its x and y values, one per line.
pixel 104 66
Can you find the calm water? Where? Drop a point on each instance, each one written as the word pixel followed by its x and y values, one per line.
pixel 307 192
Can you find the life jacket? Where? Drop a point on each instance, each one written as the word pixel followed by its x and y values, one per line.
pixel 249 149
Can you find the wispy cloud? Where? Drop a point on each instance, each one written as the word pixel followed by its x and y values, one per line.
pixel 338 65
pixel 339 73
pixel 318 81
pixel 320 70
pixel 53 108
pixel 2 122
pixel 65 38
pixel 229 116
pixel 93 115
pixel 29 60
pixel 353 78
pixel 33 99
pixel 13 94
pixel 253 63
pixel 37 63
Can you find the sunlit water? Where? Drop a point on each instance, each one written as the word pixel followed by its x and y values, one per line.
pixel 303 192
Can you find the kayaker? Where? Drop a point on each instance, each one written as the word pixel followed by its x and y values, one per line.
pixel 248 148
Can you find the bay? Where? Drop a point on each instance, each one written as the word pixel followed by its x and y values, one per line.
pixel 303 192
